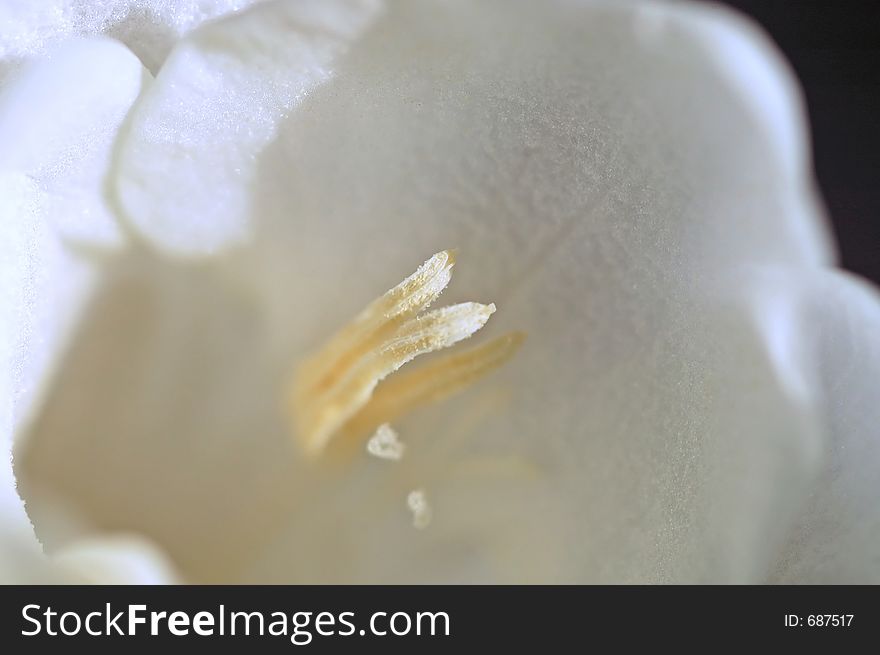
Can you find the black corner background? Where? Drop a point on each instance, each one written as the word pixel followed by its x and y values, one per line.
pixel 834 47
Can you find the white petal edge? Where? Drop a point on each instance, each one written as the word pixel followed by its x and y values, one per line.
pixel 59 119
pixel 116 560
pixel 149 27
pixel 188 158
pixel 203 201
pixel 836 537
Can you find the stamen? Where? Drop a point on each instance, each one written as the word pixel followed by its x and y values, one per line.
pixel 384 444
pixel 417 502
pixel 404 301
pixel 338 382
pixel 433 382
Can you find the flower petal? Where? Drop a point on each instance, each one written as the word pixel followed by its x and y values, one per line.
pixel 21 560
pixel 835 539
pixel 58 122
pixel 188 163
pixel 148 27
pixel 116 560
pixel 58 119
pixel 495 126
pixel 165 421
pixel 100 560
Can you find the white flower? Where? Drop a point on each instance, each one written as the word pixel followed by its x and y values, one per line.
pixel 627 182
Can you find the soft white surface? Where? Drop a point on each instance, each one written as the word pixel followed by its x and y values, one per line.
pixel 58 123
pixel 117 559
pixel 20 555
pixel 58 120
pixel 619 189
pixel 835 539
pixel 149 27
pixel 188 166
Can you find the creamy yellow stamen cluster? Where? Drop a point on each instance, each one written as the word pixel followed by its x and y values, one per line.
pixel 334 396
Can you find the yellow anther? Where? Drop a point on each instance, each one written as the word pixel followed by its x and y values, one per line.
pixel 333 391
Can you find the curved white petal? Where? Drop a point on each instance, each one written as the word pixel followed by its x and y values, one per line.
pixel 58 121
pixel 105 560
pixel 149 27
pixel 21 559
pixel 836 537
pixel 163 421
pixel 613 185
pixel 115 560
pixel 495 127
pixel 187 168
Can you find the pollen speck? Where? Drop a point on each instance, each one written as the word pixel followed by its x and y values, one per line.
pixel 385 444
pixel 417 501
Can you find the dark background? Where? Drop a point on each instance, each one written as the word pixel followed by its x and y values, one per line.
pixel 834 47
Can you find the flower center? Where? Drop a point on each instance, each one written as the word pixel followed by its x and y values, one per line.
pixel 335 396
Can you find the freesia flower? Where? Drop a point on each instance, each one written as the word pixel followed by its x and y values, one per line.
pixel 190 218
